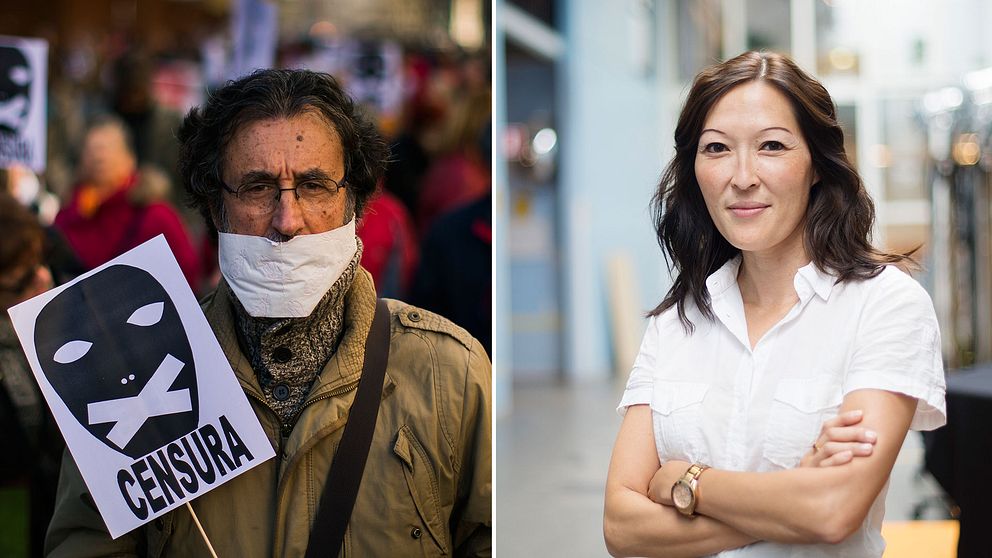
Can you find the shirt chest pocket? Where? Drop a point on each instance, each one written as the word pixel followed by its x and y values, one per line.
pixel 798 410
pixel 677 413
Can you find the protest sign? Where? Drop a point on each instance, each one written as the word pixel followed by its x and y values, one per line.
pixel 23 89
pixel 139 386
pixel 255 33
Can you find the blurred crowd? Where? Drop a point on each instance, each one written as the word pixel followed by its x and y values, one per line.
pixel 110 184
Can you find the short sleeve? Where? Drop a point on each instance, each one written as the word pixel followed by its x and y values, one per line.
pixel 898 347
pixel 641 380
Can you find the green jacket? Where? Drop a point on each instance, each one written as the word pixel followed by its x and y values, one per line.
pixel 427 487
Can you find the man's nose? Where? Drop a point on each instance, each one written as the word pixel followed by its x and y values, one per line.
pixel 287 219
pixel 745 171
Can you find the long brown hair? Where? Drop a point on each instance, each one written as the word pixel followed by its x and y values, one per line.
pixel 21 248
pixel 840 213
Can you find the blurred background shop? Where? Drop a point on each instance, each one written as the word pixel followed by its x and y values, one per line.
pixel 420 67
pixel 586 96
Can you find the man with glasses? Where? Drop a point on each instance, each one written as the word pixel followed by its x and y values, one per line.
pixel 282 163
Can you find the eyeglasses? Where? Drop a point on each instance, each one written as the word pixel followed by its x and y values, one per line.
pixel 263 197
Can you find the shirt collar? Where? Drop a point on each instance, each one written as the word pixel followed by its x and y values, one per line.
pixel 722 279
pixel 811 277
pixel 809 280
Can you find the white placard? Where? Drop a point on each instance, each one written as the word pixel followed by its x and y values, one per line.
pixel 255 30
pixel 23 90
pixel 139 386
pixel 375 74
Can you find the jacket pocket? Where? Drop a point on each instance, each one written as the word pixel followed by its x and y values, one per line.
pixel 798 410
pixel 422 483
pixel 677 413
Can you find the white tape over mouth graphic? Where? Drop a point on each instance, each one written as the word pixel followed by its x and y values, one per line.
pixel 12 111
pixel 155 399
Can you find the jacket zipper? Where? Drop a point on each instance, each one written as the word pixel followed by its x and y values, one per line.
pixel 261 400
pixel 283 433
pixel 282 436
pixel 333 393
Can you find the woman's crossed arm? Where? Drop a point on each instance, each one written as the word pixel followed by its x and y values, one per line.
pixel 813 504
pixel 804 505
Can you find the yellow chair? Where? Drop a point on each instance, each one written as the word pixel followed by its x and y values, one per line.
pixel 920 539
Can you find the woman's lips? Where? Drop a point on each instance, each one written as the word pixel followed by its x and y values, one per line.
pixel 748 210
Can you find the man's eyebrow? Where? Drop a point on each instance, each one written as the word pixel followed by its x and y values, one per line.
pixel 264 177
pixel 256 176
pixel 314 174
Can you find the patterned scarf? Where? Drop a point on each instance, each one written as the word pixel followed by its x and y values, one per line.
pixel 287 354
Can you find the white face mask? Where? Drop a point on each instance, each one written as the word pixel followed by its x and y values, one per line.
pixel 285 279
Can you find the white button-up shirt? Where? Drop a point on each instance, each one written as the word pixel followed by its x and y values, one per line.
pixel 716 401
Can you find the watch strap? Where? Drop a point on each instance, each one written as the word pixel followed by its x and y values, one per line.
pixel 691 479
pixel 693 472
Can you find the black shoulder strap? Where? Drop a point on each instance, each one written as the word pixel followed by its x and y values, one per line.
pixel 338 499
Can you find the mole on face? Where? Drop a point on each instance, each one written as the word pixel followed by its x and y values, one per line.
pixel 299 137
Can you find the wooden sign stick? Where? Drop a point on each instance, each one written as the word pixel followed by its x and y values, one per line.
pixel 196 520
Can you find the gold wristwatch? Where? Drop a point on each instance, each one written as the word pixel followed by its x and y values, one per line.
pixel 684 491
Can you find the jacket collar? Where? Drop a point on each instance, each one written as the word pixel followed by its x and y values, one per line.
pixel 344 366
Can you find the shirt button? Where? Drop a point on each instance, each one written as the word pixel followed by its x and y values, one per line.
pixel 280 392
pixel 414 316
pixel 282 355
pixel 415 532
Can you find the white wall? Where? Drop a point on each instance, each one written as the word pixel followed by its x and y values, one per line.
pixel 614 147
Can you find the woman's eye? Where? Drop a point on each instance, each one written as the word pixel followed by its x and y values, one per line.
pixel 773 145
pixel 714 148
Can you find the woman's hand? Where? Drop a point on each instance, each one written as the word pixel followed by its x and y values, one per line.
pixel 840 441
pixel 660 488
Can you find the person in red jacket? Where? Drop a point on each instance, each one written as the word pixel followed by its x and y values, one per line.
pixel 390 243
pixel 115 206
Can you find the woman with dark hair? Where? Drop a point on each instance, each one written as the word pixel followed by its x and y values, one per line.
pixel 780 374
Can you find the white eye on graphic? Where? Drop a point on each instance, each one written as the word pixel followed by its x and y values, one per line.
pixel 147 315
pixel 72 351
pixel 20 75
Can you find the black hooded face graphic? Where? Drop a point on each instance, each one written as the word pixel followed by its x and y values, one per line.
pixel 115 350
pixel 15 89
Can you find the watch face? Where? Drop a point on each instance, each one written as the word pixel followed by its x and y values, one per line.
pixel 682 495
